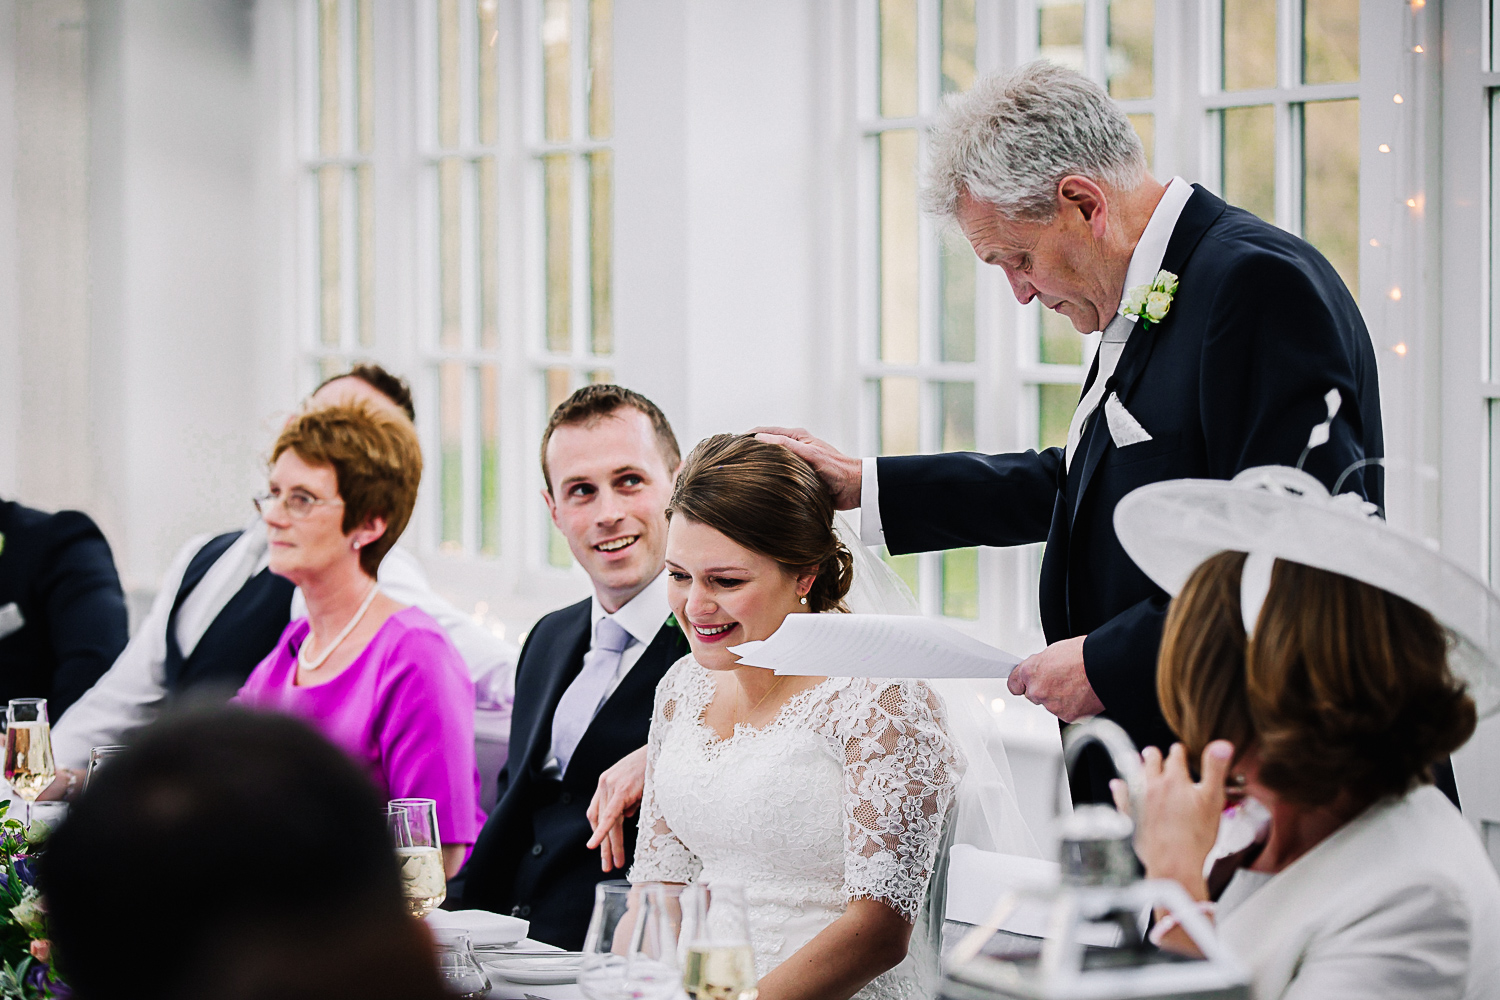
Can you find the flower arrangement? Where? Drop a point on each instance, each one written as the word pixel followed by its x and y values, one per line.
pixel 1149 304
pixel 26 972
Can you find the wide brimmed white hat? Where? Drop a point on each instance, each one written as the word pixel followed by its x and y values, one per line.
pixel 1275 512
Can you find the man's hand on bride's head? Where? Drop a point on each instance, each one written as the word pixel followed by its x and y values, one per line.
pixel 843 475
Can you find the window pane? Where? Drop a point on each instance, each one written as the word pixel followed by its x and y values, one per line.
pixel 364 186
pixel 1145 127
pixel 1330 41
pixel 557 34
pixel 1249 159
pixel 956 270
pixel 1494 511
pixel 1059 28
pixel 488 105
pixel 601 251
pixel 330 254
pixel 1132 25
pixel 450 244
pixel 1249 44
pixel 556 173
pixel 1494 248
pixel 329 88
pixel 900 415
pixel 1054 411
pixel 898 246
pixel 961 583
pixel 448 70
pixel 558 386
pixel 1330 184
pixel 1057 342
pixel 956 411
pixel 451 454
pixel 898 58
pixel 365 64
pixel 601 68
pixel 959 36
pixel 489 459
pixel 489 253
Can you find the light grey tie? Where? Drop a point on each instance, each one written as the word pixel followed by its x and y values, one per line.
pixel 579 703
pixel 1111 346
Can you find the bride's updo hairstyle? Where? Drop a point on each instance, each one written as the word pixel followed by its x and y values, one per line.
pixel 765 498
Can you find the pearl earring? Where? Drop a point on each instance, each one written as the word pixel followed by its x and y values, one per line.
pixel 804 600
pixel 356 546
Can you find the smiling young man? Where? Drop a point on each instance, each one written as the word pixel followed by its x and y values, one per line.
pixel 588 673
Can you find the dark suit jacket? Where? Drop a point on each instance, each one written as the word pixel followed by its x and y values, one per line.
pixel 1260 329
pixel 530 859
pixel 58 571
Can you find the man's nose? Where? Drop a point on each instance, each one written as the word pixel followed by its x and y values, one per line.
pixel 1020 287
pixel 608 510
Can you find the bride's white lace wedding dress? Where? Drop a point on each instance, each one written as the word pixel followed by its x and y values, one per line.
pixel 841 796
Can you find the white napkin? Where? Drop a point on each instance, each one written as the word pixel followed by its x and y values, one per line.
pixel 484 927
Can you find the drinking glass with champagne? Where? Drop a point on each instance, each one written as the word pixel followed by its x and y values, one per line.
pixel 28 749
pixel 414 828
pixel 718 962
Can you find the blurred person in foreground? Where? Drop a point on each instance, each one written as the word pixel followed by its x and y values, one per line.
pixel 377 677
pixel 588 673
pixel 62 612
pixel 1324 675
pixel 220 609
pixel 234 856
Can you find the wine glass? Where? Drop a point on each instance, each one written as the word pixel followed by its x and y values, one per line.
pixel 28 749
pixel 457 965
pixel 631 949
pixel 718 961
pixel 97 758
pixel 414 829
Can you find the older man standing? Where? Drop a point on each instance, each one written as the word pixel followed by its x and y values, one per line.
pixel 1222 336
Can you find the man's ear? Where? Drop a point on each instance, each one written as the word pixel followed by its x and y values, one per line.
pixel 551 506
pixel 1082 195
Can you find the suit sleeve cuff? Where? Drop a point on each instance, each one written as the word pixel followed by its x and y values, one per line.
pixel 871 532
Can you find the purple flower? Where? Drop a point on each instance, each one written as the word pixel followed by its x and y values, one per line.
pixel 26 869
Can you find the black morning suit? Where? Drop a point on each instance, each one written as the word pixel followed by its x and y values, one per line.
pixel 57 571
pixel 530 859
pixel 1261 327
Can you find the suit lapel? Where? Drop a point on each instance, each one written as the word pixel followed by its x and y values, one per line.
pixel 564 661
pixel 1200 212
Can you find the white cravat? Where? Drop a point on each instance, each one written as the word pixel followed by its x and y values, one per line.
pixel 1145 262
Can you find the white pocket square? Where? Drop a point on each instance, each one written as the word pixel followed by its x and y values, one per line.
pixel 11 619
pixel 1123 428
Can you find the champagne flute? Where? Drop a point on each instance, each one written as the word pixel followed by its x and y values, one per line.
pixel 97 757
pixel 414 829
pixel 28 749
pixel 718 961
pixel 631 949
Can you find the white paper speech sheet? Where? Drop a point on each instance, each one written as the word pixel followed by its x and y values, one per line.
pixel 838 645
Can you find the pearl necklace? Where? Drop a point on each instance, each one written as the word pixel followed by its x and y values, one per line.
pixel 322 657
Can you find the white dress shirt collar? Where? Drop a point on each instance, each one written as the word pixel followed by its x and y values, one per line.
pixel 1146 259
pixel 642 616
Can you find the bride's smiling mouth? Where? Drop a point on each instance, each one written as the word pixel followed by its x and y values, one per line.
pixel 714 631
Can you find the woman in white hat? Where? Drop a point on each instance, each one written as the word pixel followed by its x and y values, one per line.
pixel 1320 662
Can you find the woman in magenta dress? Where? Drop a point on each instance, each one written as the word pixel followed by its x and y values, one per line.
pixel 378 678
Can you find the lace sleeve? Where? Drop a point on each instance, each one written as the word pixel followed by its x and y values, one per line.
pixel 901 771
pixel 659 855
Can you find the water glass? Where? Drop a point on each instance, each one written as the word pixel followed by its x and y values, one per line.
pixel 631 949
pixel 461 972
pixel 414 832
pixel 718 962
pixel 97 758
pixel 28 749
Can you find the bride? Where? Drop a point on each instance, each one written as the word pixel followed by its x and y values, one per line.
pixel 824 797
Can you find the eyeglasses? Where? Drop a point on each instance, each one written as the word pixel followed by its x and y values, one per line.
pixel 296 504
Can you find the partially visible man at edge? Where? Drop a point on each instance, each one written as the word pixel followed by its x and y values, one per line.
pixel 220 610
pixel 587 676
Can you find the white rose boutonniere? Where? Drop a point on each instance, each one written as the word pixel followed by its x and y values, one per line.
pixel 1149 304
